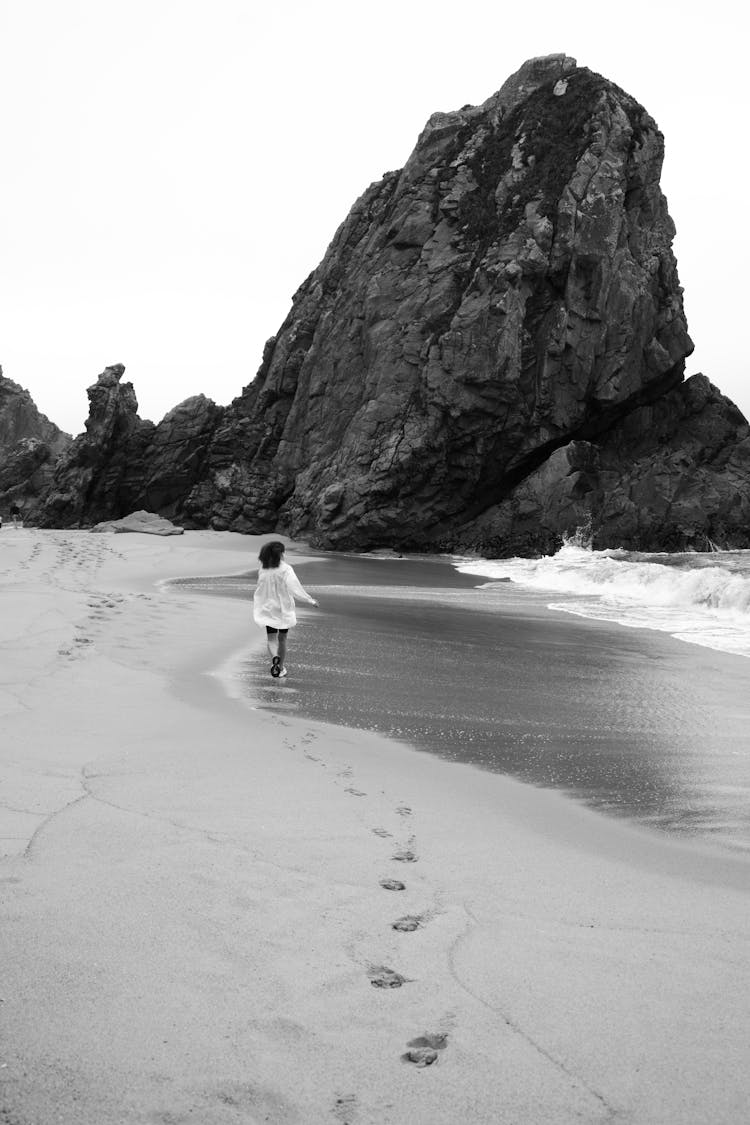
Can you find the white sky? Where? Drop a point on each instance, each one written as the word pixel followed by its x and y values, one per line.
pixel 173 169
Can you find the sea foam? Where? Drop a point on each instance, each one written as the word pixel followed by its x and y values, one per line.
pixel 701 598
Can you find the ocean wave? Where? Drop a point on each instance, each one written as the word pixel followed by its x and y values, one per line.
pixel 703 598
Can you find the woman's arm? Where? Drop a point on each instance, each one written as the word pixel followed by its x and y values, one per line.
pixel 296 587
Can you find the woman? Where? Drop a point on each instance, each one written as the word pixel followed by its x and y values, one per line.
pixel 273 602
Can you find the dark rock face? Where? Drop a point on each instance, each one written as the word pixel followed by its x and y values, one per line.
pixel 29 446
pixel 511 290
pixel 490 353
pixel 124 463
pixel 673 475
pixel 25 472
pixel 176 454
pixel 98 477
pixel 686 477
pixel 20 420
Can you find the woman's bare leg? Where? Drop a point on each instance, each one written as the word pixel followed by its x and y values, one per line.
pixel 272 644
pixel 282 649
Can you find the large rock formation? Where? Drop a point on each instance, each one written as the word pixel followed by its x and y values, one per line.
pixel 29 447
pixel 491 351
pixel 100 473
pixel 511 290
pixel 124 463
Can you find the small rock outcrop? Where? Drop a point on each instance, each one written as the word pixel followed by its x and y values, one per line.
pixel 29 446
pixel 145 523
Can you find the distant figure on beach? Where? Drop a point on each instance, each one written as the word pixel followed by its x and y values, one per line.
pixel 15 514
pixel 273 602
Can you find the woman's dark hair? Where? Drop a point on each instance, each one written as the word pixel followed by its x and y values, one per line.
pixel 270 554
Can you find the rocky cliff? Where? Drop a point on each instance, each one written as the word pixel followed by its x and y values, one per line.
pixel 29 447
pixel 511 290
pixel 491 351
pixel 123 463
pixel 671 475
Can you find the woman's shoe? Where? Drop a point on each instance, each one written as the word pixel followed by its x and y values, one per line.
pixel 276 667
pixel 283 672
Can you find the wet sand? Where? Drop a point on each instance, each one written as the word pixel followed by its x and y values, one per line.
pixel 630 721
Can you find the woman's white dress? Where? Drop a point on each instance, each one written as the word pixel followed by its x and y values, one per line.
pixel 273 600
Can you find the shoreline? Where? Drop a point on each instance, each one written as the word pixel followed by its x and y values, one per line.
pixel 631 722
pixel 199 931
pixel 699 599
pixel 546 810
pixel 683 855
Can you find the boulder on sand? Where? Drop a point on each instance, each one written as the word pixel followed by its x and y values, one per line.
pixel 146 522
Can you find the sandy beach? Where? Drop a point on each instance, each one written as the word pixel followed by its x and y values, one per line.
pixel 198 896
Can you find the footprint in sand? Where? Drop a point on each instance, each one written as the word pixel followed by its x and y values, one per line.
pixel 382 832
pixel 392 885
pixel 403 810
pixel 406 856
pixel 345 1108
pixel 355 792
pixel 407 924
pixel 382 977
pixel 423 1051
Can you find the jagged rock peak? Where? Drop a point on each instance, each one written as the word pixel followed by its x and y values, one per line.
pixel 529 76
pixel 20 419
pixel 123 463
pixel 108 397
pixel 532 74
pixel 94 475
pixel 29 446
pixel 190 405
pixel 111 375
pixel 512 289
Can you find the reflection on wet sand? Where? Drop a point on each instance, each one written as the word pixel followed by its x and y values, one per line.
pixel 631 721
